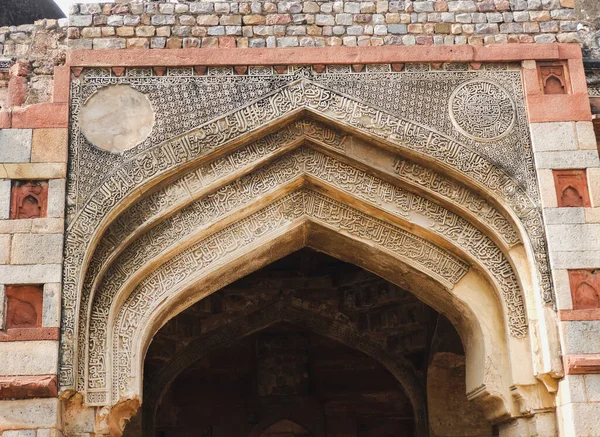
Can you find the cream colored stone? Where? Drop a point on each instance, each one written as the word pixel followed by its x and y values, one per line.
pixel 547 189
pixel 30 274
pixel 50 145
pixel 571 388
pixel 2 306
pixel 116 118
pixel 47 226
pixel 15 226
pixel 56 198
pixel 4 199
pixel 36 171
pixel 29 358
pixel 586 137
pixel 51 306
pixel 562 289
pixel 593 178
pixel 547 137
pixel 30 413
pixel 5 240
pixel 592 215
pixel 36 249
pixel 49 432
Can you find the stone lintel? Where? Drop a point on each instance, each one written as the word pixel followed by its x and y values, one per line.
pixel 582 364
pixel 25 387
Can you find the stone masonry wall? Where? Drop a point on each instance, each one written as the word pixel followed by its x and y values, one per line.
pixel 38 48
pixel 160 25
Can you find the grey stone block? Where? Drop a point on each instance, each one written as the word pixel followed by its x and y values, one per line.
pixel 581 337
pixel 557 216
pixel 51 306
pixel 15 145
pixel 573 237
pixel 567 159
pixel 547 137
pixel 575 260
pixel 4 199
pixel 56 198
pixel 36 249
pixel 19 433
pixel 30 274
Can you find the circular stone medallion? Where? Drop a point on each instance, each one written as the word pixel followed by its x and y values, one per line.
pixel 482 110
pixel 116 118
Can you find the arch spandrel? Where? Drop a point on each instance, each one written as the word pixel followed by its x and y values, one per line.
pixel 423 154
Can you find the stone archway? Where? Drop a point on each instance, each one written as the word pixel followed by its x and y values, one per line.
pixel 291 311
pixel 306 166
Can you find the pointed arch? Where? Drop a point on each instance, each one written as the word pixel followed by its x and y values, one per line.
pixel 293 313
pixel 434 209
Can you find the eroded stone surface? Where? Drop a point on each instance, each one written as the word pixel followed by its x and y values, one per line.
pixel 117 118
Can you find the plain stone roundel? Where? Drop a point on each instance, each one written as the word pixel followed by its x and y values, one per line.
pixel 116 118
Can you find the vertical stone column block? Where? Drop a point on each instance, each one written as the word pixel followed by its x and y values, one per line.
pixel 29 199
pixel 5 195
pixel 571 188
pixel 24 306
pixel 585 288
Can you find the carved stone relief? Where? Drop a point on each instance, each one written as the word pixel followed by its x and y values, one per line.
pixel 482 110
pixel 185 130
pixel 116 118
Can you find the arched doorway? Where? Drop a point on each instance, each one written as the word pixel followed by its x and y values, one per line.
pixel 310 339
pixel 228 198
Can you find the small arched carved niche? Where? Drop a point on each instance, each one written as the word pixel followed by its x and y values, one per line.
pixel 29 199
pixel 585 289
pixel 571 188
pixel 571 197
pixel 553 77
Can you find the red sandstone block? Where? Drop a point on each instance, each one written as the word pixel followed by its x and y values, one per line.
pixel 558 107
pixel 28 199
pixel 41 115
pixel 26 387
pixel 323 55
pixel 571 188
pixel 5 118
pixel 585 289
pixel 24 306
pixel 60 93
pixel 29 334
pixel 582 364
pixel 570 315
pixel 17 91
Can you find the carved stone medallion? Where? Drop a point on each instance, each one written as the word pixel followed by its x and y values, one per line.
pixel 117 118
pixel 482 110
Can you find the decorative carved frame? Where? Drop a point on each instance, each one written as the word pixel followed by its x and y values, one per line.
pixel 422 155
